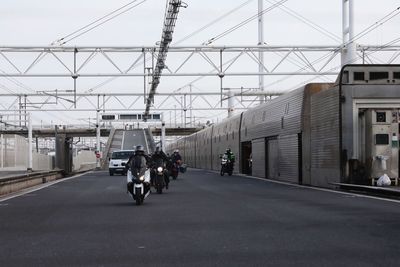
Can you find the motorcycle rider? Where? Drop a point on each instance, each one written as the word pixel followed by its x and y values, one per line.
pixel 135 163
pixel 176 157
pixel 230 156
pixel 157 156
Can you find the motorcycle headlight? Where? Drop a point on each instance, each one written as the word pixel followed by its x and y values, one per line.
pixel 159 169
pixel 141 178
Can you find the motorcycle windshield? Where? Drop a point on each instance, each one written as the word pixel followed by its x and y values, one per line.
pixel 138 172
pixel 158 162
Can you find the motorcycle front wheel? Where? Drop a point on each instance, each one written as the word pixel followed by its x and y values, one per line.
pixel 138 199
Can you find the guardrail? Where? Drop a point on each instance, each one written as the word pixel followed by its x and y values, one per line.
pixel 18 182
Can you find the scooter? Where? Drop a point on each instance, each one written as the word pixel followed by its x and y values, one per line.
pixel 139 184
pixel 226 165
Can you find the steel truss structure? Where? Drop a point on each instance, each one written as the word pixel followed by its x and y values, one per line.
pixel 74 60
pixel 105 102
pixel 184 61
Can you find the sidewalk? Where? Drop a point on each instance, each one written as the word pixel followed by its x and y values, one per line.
pixel 6 174
pixel 393 191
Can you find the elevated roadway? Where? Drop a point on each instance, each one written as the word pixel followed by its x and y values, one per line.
pixel 91 132
pixel 203 220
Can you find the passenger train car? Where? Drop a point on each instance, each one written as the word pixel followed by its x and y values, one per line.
pixel 320 134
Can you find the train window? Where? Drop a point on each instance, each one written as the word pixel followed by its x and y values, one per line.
pixel 396 75
pixel 381 116
pixel 378 75
pixel 358 76
pixel 381 139
pixel 107 117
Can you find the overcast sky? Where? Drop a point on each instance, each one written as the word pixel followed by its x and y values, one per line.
pixel 27 22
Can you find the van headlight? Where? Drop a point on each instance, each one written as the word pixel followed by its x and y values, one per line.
pixel 159 169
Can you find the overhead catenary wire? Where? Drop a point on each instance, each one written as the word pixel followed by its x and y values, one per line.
pixel 364 32
pixel 213 22
pixel 306 21
pixel 98 22
pixel 245 22
pixel 107 81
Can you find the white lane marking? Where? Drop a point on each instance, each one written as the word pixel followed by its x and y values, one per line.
pixel 145 140
pixel 123 139
pixel 315 188
pixel 39 187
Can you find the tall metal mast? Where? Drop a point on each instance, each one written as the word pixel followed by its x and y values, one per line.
pixel 261 42
pixel 171 15
pixel 349 47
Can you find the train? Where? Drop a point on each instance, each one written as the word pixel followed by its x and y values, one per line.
pixel 322 134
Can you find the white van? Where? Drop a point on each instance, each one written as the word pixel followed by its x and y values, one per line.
pixel 118 161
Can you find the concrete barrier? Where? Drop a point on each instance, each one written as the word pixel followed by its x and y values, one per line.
pixel 18 182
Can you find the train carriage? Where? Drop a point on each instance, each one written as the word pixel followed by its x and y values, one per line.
pixel 320 134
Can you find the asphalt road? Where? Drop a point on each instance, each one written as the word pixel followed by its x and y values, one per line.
pixel 203 220
pixel 133 138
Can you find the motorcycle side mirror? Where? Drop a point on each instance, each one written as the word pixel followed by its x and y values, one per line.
pixel 220 156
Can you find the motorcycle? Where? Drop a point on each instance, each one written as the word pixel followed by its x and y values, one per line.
pixel 226 165
pixel 175 169
pixel 159 177
pixel 139 184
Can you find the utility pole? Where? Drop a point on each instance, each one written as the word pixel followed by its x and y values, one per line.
pixel 349 55
pixel 97 139
pixel 260 53
pixel 30 158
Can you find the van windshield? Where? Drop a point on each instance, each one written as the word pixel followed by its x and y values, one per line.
pixel 122 154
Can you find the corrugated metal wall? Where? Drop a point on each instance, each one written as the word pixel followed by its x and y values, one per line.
pixel 280 116
pixel 258 156
pixel 272 159
pixel 325 162
pixel 190 150
pixel 203 145
pixel 289 158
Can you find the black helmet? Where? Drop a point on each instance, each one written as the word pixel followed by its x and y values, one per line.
pixel 158 150
pixel 139 148
pixel 228 150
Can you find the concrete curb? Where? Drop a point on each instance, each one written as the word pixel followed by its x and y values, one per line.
pixel 14 183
